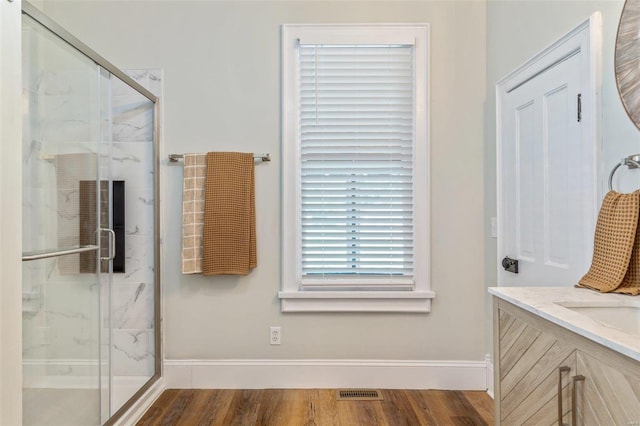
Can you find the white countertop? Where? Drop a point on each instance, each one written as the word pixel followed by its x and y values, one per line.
pixel 543 301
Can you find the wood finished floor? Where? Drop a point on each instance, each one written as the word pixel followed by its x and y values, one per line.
pixel 317 407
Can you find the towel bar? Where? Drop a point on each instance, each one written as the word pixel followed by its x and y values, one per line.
pixel 632 161
pixel 260 157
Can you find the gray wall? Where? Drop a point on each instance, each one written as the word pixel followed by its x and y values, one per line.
pixel 221 65
pixel 221 62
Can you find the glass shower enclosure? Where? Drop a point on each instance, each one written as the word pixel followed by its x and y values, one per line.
pixel 90 286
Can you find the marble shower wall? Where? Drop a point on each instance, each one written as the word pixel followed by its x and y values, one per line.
pixel 132 161
pixel 71 105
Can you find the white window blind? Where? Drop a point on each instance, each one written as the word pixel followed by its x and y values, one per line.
pixel 356 124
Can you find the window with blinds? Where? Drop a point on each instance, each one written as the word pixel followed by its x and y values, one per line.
pixel 355 168
pixel 356 136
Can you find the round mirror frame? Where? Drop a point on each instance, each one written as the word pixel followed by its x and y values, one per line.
pixel 627 59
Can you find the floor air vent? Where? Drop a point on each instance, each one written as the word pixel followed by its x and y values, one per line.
pixel 359 395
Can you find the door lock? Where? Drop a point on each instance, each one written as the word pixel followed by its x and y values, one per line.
pixel 510 265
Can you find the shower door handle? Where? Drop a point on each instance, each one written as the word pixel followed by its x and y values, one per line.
pixel 112 244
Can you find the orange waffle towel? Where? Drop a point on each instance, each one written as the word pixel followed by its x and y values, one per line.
pixel 229 240
pixel 195 170
pixel 614 243
pixel 631 282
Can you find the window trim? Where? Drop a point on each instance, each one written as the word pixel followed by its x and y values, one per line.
pixel 292 297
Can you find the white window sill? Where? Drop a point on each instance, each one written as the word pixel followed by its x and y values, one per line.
pixel 356 301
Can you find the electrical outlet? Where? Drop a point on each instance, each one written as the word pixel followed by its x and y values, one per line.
pixel 275 336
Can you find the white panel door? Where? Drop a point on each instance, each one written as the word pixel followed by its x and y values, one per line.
pixel 546 179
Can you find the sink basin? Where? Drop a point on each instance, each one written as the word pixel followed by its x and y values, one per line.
pixel 625 317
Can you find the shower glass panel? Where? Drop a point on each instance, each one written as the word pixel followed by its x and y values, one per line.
pixel 90 249
pixel 131 165
pixel 63 367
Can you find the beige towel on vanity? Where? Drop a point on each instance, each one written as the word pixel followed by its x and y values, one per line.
pixel 195 169
pixel 614 242
pixel 229 243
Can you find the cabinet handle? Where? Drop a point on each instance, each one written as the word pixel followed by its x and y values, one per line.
pixel 574 399
pixel 563 369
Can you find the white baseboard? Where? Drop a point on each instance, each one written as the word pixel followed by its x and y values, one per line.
pixel 489 375
pixel 143 403
pixel 291 374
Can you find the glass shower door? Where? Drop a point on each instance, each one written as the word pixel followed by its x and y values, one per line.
pixel 90 278
pixel 132 291
pixel 64 357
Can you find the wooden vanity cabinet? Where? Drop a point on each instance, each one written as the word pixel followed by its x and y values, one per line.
pixel 532 366
pixel 544 372
pixel 609 394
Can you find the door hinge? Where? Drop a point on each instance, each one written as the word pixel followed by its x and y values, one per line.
pixel 579 107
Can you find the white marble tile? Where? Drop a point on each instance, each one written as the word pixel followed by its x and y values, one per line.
pixel 148 78
pixel 120 88
pixel 155 82
pixel 77 82
pixel 53 150
pixel 71 311
pixel 105 313
pixel 40 273
pixel 56 83
pixel 133 163
pixel 132 305
pixel 37 82
pixel 70 118
pixel 37 172
pixel 31 143
pixel 32 299
pixel 133 353
pixel 132 119
pixel 33 346
pixel 139 259
pixel 140 76
pixel 546 302
pixel 139 215
pixel 39 215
